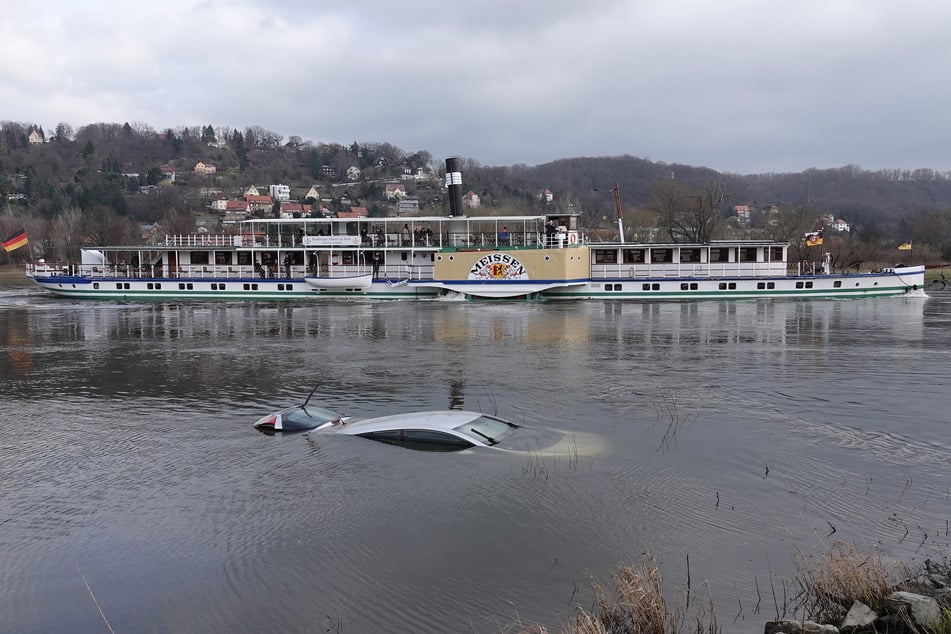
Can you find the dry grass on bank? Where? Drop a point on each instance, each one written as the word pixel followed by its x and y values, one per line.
pixel 635 604
pixel 831 581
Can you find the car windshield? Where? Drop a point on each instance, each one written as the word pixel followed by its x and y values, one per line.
pixel 310 415
pixel 486 429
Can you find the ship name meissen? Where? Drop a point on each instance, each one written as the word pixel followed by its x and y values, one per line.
pixel 498 266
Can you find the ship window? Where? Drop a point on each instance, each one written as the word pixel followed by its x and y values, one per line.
pixel 119 286
pixel 214 286
pixel 662 255
pixel 799 284
pixel 158 286
pixel 605 257
pixel 280 287
pixel 149 286
pixel 770 285
pixel 776 254
pixel 720 254
pixel 722 286
pixel 95 285
pixel 181 286
pixel 684 286
pixel 289 287
pixel 732 286
pixel 694 286
pixel 404 256
pixel 690 255
pixel 254 287
pixel 837 284
pixel 655 287
pixel 747 254
pixel 645 287
pixel 199 257
pixel 633 256
pixel 189 286
pixel 760 285
pixel 221 287
pixel 808 284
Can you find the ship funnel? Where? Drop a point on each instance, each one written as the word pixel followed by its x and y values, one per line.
pixel 454 184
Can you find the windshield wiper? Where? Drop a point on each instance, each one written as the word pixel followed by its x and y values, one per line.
pixel 492 441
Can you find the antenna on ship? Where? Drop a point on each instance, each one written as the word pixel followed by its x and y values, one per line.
pixel 617 209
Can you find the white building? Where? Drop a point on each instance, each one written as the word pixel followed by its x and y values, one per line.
pixel 279 192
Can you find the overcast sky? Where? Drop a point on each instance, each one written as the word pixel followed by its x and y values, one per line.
pixel 741 86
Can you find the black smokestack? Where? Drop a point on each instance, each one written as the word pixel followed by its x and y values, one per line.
pixel 454 183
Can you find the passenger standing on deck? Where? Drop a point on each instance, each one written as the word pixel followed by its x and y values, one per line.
pixel 504 235
pixel 550 234
pixel 405 235
pixel 377 260
pixel 287 265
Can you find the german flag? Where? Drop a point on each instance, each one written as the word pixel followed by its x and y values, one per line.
pixel 15 240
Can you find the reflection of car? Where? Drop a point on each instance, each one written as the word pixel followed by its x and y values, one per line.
pixel 299 418
pixel 455 430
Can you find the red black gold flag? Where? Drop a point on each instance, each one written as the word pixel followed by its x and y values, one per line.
pixel 15 240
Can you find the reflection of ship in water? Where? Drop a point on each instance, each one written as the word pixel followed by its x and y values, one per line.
pixel 765 323
pixel 566 325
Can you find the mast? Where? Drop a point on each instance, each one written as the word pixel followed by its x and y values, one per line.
pixel 617 209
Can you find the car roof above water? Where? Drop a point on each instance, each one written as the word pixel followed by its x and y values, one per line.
pixel 441 420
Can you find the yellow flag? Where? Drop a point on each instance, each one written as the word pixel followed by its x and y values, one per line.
pixel 905 246
pixel 814 239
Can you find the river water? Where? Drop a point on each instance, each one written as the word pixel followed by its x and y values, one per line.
pixel 135 494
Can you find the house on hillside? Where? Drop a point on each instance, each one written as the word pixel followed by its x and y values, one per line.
pixel 205 169
pixel 835 224
pixel 742 215
pixel 279 192
pixel 407 205
pixel 394 191
pixel 353 173
pixel 236 210
pixel 168 172
pixel 545 195
pixel 251 191
pixel 354 212
pixel 35 137
pixel 471 200
pixel 312 193
pixel 289 209
pixel 328 170
pixel 259 203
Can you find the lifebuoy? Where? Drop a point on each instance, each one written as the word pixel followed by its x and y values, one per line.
pixel 573 238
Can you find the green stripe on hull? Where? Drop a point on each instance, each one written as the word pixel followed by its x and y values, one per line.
pixel 163 296
pixel 704 295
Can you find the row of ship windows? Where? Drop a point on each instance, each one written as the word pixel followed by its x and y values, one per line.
pixel 188 286
pixel 723 286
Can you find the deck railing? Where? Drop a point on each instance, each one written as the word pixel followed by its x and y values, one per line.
pixel 688 269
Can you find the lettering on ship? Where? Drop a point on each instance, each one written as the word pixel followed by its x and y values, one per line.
pixel 498 266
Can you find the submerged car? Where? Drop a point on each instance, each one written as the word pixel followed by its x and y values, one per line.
pixel 301 417
pixel 456 430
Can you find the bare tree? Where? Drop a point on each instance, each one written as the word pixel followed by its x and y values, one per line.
pixel 689 214
pixel 66 233
pixel 178 221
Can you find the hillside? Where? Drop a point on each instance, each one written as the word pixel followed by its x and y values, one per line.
pixel 118 169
